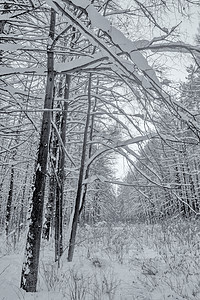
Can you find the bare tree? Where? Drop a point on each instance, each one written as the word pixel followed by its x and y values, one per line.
pixel 30 265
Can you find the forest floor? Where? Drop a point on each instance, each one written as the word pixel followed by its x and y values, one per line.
pixel 124 262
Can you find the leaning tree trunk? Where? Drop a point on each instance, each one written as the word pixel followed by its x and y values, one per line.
pixel 89 155
pixel 80 180
pixel 30 266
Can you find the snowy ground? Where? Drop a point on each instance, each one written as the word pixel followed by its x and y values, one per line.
pixel 125 262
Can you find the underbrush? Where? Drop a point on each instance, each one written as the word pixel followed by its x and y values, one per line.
pixel 77 283
pixel 178 244
pixel 123 262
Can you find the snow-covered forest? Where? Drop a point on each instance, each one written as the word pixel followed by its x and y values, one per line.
pixel 99 149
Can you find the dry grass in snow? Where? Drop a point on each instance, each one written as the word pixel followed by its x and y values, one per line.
pixel 124 262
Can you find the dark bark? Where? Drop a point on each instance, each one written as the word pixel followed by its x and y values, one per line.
pixel 30 266
pixel 89 155
pixel 6 9
pixel 80 180
pixel 61 179
pixel 49 207
pixel 58 209
pixel 52 182
pixel 9 202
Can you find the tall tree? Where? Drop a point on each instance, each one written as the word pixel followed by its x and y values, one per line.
pixel 81 177
pixel 30 266
pixel 61 176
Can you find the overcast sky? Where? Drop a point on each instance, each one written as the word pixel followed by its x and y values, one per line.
pixel 186 31
pixel 177 63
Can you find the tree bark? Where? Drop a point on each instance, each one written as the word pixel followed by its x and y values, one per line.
pixel 9 202
pixel 30 266
pixel 50 205
pixel 80 180
pixel 6 9
pixel 53 179
pixel 61 179
pixel 89 155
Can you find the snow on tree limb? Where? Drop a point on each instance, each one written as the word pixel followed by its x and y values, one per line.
pixel 121 43
pixel 118 144
pixel 168 47
pixel 80 63
pixel 8 71
pixel 10 47
pixel 117 37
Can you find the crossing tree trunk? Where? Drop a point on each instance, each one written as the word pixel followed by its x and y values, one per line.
pixel 89 155
pixel 80 180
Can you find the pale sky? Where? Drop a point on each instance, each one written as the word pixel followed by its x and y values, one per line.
pixel 177 63
pixel 185 32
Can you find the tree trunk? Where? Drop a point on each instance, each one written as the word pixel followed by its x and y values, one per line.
pixel 30 266
pixel 9 202
pixel 89 155
pixel 80 180
pixel 53 180
pixel 50 205
pixel 61 179
pixel 6 9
